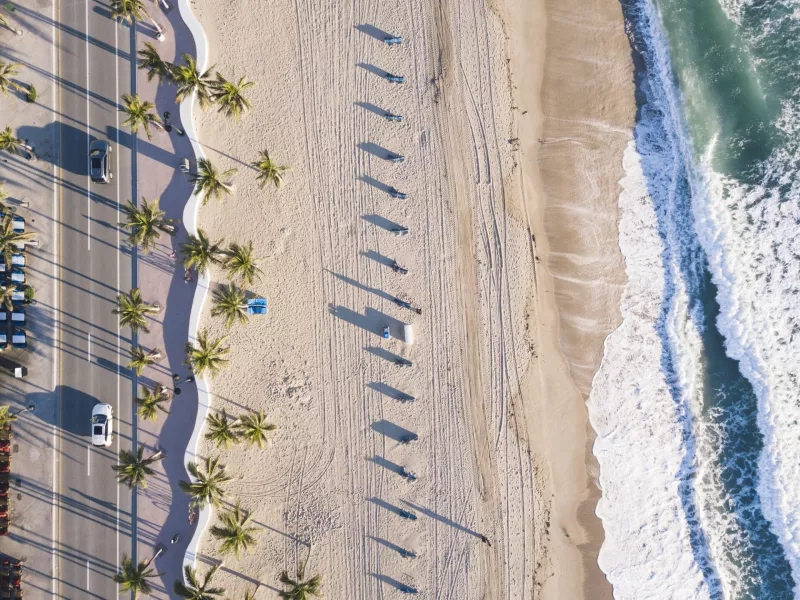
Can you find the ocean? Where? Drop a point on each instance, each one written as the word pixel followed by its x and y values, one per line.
pixel 696 404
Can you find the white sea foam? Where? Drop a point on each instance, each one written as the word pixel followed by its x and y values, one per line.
pixel 641 444
pixel 752 239
pixel 668 533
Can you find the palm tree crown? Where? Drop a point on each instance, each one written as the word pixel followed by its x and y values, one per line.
pixel 133 310
pixel 229 96
pixel 150 403
pixel 209 183
pixel 140 114
pixel 150 59
pixel 230 302
pixel 133 469
pixel 145 224
pixel 12 241
pixel 189 79
pixel 254 427
pixel 206 354
pixel 133 578
pixel 129 11
pixel 207 488
pixel 140 358
pixel 7 72
pixel 6 417
pixel 199 252
pixel 222 431
pixel 269 171
pixel 234 532
pixel 194 589
pixel 301 589
pixel 10 143
pixel 240 263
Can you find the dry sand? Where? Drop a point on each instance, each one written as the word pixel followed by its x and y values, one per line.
pixel 502 427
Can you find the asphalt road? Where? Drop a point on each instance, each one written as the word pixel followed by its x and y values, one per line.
pixel 95 512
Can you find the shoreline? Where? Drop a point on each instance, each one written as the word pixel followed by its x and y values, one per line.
pixel 572 64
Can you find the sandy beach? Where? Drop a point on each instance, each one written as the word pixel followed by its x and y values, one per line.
pixel 516 297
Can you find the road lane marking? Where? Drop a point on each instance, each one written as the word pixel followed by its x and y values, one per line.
pixel 89 348
pixel 87 563
pixel 88 137
pixel 56 318
pixel 88 460
pixel 119 345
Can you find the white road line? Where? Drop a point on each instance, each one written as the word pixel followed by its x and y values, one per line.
pixel 56 318
pixel 119 344
pixel 87 563
pixel 89 348
pixel 88 460
pixel 88 137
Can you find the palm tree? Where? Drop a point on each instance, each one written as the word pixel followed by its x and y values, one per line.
pixel 300 589
pixel 140 114
pixel 254 427
pixel 150 59
pixel 196 590
pixel 133 310
pixel 189 79
pixel 7 296
pixel 7 72
pixel 206 354
pixel 268 171
pixel 199 252
pixel 234 532
pixel 206 487
pixel 14 145
pixel 6 417
pixel 221 431
pixel 209 182
pixel 229 96
pixel 4 208
pixel 133 469
pixel 150 403
pixel 133 578
pixel 4 23
pixel 145 223
pixel 140 358
pixel 240 263
pixel 12 241
pixel 130 11
pixel 230 302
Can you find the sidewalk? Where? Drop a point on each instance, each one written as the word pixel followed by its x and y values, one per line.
pixel 31 493
pixel 162 507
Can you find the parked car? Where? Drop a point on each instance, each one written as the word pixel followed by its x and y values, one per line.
pixel 100 161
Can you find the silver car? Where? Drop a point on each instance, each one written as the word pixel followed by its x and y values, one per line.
pixel 100 161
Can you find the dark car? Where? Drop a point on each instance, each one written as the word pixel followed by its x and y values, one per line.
pixel 100 161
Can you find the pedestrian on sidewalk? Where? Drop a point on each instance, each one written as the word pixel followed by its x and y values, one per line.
pixel 189 379
pixel 176 378
pixel 175 538
pixel 172 254
pixel 177 391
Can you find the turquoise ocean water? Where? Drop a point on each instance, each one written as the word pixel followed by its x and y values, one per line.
pixel 697 402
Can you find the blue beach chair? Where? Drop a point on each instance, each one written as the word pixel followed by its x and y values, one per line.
pixel 257 306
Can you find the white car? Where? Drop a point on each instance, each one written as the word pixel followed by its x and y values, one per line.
pixel 102 422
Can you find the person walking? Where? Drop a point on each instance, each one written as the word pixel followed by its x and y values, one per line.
pixel 486 541
pixel 175 538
